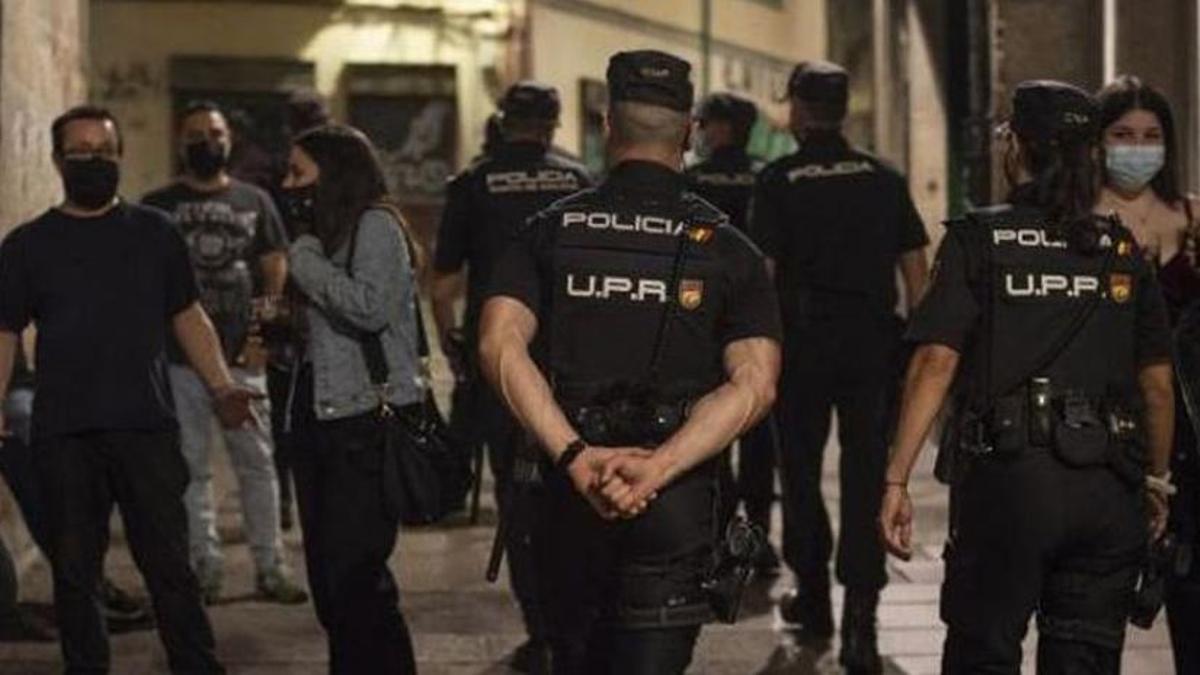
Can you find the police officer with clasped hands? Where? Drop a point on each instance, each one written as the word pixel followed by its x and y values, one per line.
pixel 836 224
pixel 634 335
pixel 1047 329
pixel 486 204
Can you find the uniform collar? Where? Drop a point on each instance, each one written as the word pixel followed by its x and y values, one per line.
pixel 649 177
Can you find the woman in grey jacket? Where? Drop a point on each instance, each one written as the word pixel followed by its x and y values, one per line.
pixel 352 270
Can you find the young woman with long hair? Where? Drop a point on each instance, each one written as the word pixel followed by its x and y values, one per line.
pixel 1141 185
pixel 354 275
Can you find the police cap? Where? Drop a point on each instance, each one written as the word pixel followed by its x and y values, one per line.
pixel 819 82
pixel 531 100
pixel 653 77
pixel 1047 110
pixel 738 111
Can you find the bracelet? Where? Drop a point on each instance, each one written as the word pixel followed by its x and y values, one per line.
pixel 1161 485
pixel 896 483
pixel 570 454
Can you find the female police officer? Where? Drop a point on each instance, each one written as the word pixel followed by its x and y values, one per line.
pixel 1061 332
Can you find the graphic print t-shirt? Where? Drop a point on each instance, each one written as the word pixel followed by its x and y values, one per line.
pixel 227 232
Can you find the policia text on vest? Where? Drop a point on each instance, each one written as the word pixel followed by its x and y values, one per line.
pixel 619 316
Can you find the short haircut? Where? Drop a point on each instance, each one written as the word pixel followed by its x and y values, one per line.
pixel 524 126
pixel 200 106
pixel 645 124
pixel 823 114
pixel 82 112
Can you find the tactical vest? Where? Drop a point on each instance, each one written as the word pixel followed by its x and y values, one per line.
pixel 1034 288
pixel 1047 311
pixel 612 267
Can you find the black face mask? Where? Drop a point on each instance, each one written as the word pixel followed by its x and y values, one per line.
pixel 90 183
pixel 298 207
pixel 205 159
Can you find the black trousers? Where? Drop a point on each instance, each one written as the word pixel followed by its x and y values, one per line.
pixel 1183 595
pixel 1032 534
pixel 348 538
pixel 81 477
pixel 521 505
pixel 279 381
pixel 597 568
pixel 756 472
pixel 843 366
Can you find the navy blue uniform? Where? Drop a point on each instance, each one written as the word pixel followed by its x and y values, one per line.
pixel 596 268
pixel 835 220
pixel 726 180
pixel 1048 522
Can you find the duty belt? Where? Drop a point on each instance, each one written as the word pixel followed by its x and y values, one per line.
pixel 1031 417
pixel 628 422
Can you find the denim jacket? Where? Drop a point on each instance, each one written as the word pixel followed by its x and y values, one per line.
pixel 378 296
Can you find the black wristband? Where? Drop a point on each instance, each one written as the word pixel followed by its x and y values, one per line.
pixel 568 456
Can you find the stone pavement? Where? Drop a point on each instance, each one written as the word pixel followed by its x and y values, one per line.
pixel 464 626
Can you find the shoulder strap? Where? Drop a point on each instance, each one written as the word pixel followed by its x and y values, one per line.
pixel 660 337
pixel 1060 344
pixel 371 344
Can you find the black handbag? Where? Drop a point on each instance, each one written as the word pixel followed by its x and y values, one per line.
pixel 424 477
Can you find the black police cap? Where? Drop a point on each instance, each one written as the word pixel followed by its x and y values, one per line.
pixel 738 111
pixel 819 82
pixel 531 100
pixel 1048 110
pixel 652 77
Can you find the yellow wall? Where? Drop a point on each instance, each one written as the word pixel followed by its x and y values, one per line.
pixel 133 40
pixel 573 40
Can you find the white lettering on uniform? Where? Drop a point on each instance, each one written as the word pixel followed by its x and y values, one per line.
pixel 1026 238
pixel 651 287
pixel 612 287
pixel 725 179
pixel 542 180
pixel 1045 285
pixel 845 168
pixel 597 220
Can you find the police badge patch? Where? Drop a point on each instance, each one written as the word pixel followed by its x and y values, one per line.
pixel 1120 287
pixel 691 293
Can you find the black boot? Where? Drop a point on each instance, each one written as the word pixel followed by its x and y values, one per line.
pixel 810 611
pixel 860 647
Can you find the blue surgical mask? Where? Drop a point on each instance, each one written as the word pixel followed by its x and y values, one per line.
pixel 1132 167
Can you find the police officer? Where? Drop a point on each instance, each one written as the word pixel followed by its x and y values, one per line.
pixel 485 205
pixel 634 334
pixel 835 223
pixel 1050 329
pixel 725 177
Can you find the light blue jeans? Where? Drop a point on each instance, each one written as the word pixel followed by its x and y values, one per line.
pixel 249 453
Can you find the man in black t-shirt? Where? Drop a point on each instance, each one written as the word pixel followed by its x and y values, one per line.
pixel 485 206
pixel 237 248
pixel 836 224
pixel 105 283
pixel 655 334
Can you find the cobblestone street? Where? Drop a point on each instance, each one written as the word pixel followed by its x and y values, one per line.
pixel 464 626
